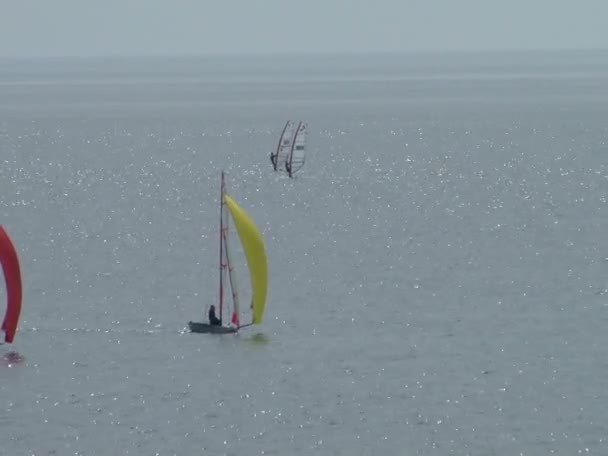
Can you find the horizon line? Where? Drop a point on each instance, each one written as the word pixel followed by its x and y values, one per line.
pixel 353 53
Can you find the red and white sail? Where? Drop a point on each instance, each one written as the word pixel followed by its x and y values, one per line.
pixel 227 271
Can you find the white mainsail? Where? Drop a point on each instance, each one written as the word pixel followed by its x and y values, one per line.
pixel 279 157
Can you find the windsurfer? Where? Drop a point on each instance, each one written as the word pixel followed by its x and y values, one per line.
pixel 273 159
pixel 213 320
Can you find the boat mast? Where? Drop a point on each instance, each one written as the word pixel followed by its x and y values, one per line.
pixel 222 266
pixel 225 258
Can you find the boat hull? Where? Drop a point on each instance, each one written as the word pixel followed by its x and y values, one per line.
pixel 206 328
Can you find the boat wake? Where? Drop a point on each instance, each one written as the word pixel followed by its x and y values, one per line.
pixel 118 331
pixel 11 359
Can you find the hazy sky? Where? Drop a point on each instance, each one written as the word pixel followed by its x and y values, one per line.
pixel 127 27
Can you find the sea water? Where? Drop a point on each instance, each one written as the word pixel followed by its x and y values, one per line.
pixel 438 270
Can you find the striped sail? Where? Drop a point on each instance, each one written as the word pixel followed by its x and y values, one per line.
pixel 279 157
pixel 297 154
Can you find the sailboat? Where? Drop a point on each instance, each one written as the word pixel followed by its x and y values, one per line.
pixel 279 157
pixel 255 254
pixel 297 153
pixel 12 277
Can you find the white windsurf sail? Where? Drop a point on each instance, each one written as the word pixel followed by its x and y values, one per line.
pixel 297 154
pixel 279 157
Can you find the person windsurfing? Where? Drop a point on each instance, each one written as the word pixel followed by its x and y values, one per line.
pixel 273 160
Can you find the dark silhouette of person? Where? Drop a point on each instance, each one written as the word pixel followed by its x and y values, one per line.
pixel 273 159
pixel 213 320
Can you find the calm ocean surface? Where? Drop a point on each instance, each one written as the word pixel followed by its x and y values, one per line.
pixel 438 269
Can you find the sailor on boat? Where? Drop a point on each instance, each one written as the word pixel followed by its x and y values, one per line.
pixel 213 320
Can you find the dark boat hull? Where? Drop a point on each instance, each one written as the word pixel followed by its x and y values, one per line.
pixel 206 328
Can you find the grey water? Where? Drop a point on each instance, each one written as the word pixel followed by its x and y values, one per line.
pixel 438 269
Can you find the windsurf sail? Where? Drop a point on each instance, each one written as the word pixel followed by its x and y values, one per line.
pixel 297 153
pixel 255 254
pixel 12 277
pixel 279 157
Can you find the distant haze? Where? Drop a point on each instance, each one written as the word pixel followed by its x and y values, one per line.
pixel 44 28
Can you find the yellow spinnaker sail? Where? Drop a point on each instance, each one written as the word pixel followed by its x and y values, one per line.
pixel 253 246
